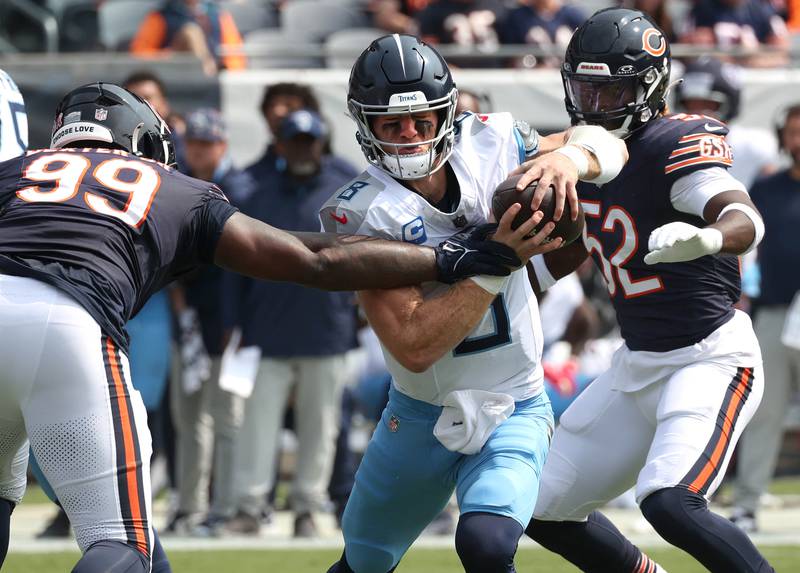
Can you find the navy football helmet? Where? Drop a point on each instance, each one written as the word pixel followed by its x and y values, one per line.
pixel 711 80
pixel 399 74
pixel 107 115
pixel 616 71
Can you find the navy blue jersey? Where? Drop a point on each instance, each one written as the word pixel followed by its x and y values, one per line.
pixel 105 226
pixel 665 306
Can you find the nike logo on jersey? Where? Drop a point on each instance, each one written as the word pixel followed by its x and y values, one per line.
pixel 457 423
pixel 710 127
pixel 339 218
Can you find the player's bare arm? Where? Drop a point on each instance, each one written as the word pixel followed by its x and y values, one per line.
pixel 738 230
pixel 419 331
pixel 546 269
pixel 735 228
pixel 340 262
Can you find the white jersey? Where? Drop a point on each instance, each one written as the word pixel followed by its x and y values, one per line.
pixel 502 354
pixel 13 119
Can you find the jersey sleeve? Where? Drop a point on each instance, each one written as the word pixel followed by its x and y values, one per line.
pixel 692 192
pixel 696 142
pixel 353 209
pixel 205 222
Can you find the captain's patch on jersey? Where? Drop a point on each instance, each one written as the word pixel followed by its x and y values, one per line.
pixel 707 149
pixel 414 231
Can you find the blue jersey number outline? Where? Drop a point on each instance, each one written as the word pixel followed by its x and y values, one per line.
pixel 15 108
pixel 500 337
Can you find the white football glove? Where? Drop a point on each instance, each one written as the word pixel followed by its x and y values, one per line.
pixel 676 242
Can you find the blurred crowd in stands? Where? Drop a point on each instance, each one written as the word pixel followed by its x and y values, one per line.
pixel 235 34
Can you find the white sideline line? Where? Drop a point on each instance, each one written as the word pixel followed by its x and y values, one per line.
pixel 430 542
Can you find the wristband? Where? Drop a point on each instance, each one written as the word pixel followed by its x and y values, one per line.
pixel 490 284
pixel 578 157
pixel 609 151
pixel 755 218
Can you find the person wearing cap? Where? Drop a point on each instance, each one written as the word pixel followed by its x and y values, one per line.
pixel 206 417
pixel 713 87
pixel 303 334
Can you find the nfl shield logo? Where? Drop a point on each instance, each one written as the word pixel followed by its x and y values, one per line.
pixel 100 114
pixel 393 423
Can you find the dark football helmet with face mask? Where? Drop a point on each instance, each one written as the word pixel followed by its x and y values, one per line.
pixel 616 71
pixel 107 115
pixel 399 74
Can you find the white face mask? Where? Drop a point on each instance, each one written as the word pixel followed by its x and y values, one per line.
pixel 410 166
pixel 385 155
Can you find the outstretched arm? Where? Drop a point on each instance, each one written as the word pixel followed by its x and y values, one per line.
pixel 322 260
pixel 350 262
pixel 734 225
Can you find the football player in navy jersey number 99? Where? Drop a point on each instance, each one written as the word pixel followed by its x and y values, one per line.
pixel 90 229
pixel 665 234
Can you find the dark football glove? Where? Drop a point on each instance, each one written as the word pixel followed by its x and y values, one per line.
pixel 470 253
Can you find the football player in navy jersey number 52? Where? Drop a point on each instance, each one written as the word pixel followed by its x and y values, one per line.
pixel 665 233
pixel 88 231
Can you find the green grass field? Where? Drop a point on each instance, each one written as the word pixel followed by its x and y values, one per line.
pixel 784 559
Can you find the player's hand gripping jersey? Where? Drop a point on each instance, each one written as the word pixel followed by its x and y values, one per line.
pixel 109 268
pixel 665 306
pixel 502 353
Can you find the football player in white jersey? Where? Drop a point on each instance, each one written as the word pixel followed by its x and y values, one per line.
pixel 466 410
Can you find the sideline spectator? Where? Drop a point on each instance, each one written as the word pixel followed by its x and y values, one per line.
pixel 151 88
pixel 466 23
pixel 304 336
pixel 657 10
pixel 778 199
pixel 738 23
pixel 541 23
pixel 793 16
pixel 396 16
pixel 195 26
pixel 206 417
pixel 473 101
pixel 279 101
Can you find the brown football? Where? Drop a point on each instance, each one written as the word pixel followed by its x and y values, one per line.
pixel 506 195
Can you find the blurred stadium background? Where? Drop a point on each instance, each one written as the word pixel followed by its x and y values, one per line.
pixel 51 46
